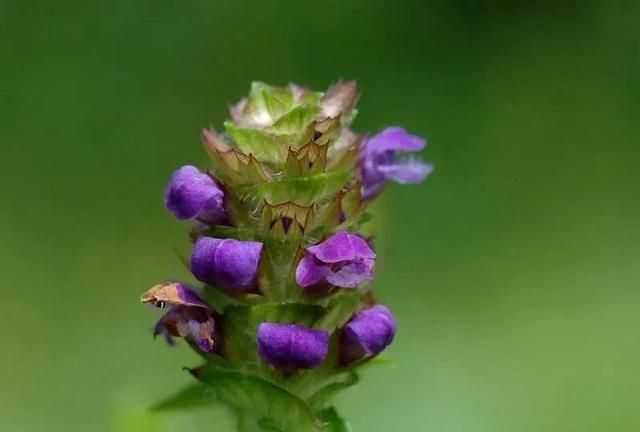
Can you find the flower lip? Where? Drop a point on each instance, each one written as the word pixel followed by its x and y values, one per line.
pixel 380 162
pixel 406 172
pixel 342 246
pixel 394 139
pixel 291 346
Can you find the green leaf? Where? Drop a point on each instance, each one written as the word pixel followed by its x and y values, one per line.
pixel 340 309
pixel 325 394
pixel 192 396
pixel 275 408
pixel 332 421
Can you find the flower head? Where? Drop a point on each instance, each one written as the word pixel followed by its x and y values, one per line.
pixel 367 334
pixel 189 316
pixel 380 163
pixel 280 226
pixel 192 194
pixel 291 346
pixel 227 263
pixel 343 260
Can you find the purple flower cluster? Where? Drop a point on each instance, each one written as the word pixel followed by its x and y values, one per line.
pixel 290 346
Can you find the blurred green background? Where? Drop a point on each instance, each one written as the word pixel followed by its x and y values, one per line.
pixel 513 270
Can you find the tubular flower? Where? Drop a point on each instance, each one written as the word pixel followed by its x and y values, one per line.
pixel 290 346
pixel 191 194
pixel 367 334
pixel 281 247
pixel 380 162
pixel 343 260
pixel 227 263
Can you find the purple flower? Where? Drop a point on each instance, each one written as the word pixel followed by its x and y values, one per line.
pixel 367 334
pixel 290 346
pixel 227 263
pixel 343 260
pixel 380 164
pixel 193 194
pixel 189 317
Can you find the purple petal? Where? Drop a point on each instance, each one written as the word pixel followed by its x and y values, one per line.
pixel 168 320
pixel 201 334
pixel 309 273
pixel 373 189
pixel 228 263
pixel 189 296
pixel 342 246
pixel 193 323
pixel 192 194
pixel 394 139
pixel 406 172
pixel 367 334
pixel 290 346
pixel 352 275
pixel 202 259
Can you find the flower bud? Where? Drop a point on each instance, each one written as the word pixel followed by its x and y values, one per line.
pixel 367 334
pixel 290 346
pixel 189 317
pixel 193 194
pixel 343 260
pixel 380 164
pixel 227 263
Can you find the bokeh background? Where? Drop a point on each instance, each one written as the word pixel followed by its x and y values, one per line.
pixel 513 270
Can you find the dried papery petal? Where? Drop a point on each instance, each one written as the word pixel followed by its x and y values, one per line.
pixel 189 316
pixel 339 99
pixel 172 293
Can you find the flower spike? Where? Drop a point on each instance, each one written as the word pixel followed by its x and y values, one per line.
pixel 281 247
